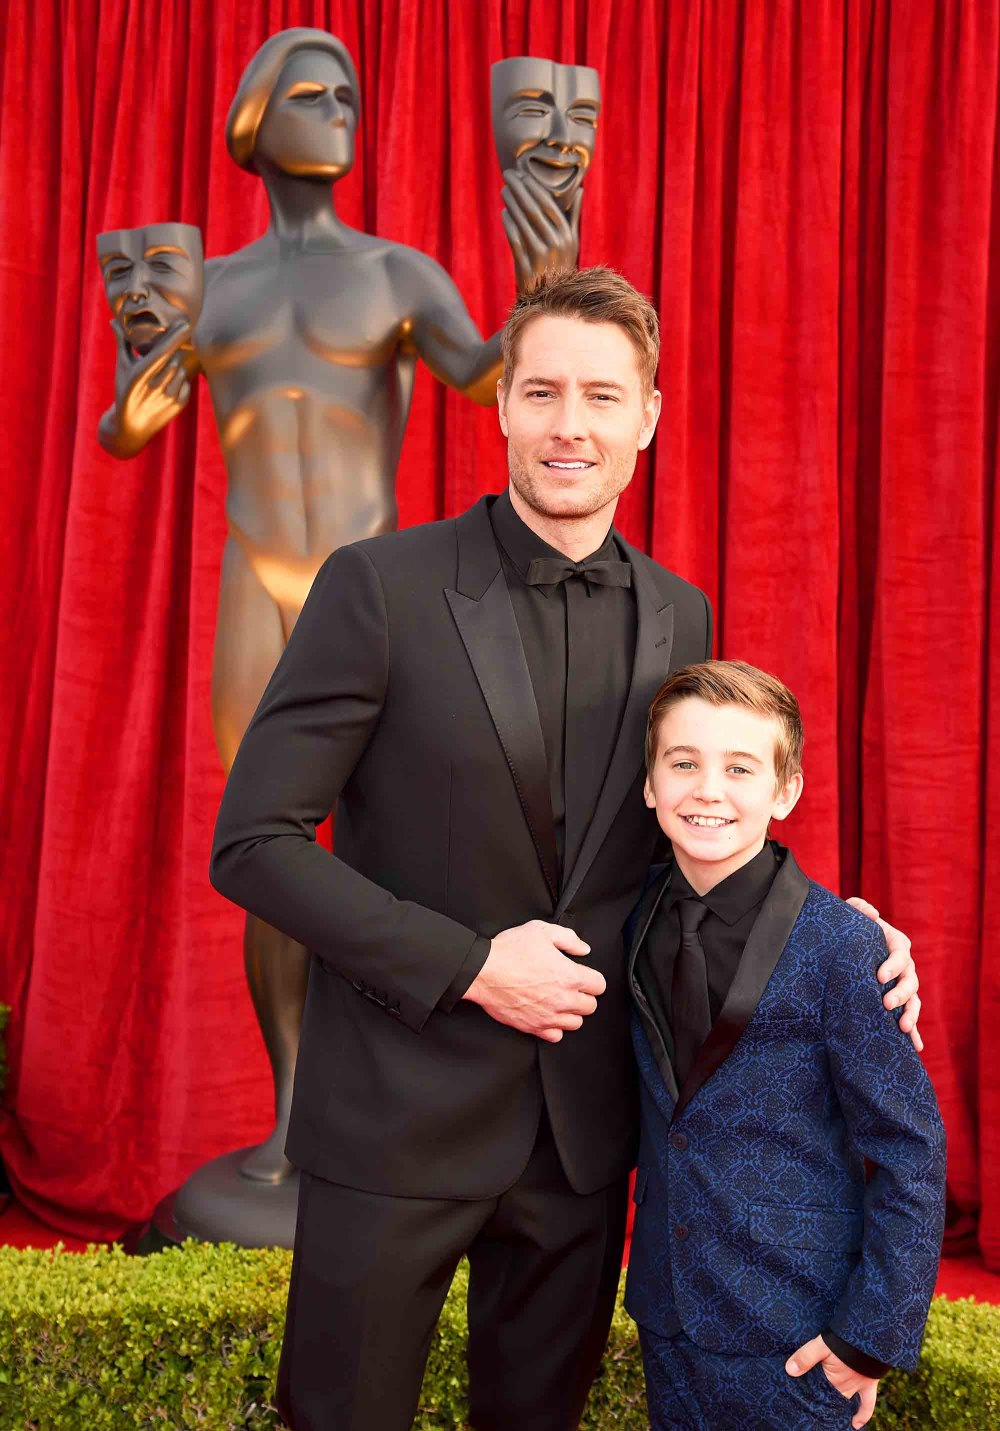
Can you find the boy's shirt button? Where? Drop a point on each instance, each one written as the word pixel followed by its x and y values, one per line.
pixel 679 1141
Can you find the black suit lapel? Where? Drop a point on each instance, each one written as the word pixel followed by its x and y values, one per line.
pixel 485 619
pixel 654 638
pixel 764 948
pixel 660 1040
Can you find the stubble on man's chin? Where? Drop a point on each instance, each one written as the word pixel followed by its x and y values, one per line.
pixel 554 509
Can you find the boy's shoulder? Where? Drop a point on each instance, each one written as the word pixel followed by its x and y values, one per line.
pixel 853 943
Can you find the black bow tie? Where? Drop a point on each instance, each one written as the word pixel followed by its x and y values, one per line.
pixel 549 571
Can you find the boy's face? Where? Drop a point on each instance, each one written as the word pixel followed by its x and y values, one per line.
pixel 713 787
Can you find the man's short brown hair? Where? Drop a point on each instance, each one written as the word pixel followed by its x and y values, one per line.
pixel 597 295
pixel 734 683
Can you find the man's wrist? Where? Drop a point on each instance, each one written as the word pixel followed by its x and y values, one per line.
pixel 466 975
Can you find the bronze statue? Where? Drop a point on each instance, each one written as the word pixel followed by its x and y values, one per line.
pixel 308 338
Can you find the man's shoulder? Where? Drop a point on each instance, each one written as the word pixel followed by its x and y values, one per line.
pixel 670 586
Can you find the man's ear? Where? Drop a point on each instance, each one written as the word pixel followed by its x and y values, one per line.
pixel 788 797
pixel 502 406
pixel 650 417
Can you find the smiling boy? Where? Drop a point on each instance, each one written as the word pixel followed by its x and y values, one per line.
pixel 772 1285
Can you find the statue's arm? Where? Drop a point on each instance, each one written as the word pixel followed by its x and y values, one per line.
pixel 149 390
pixel 438 327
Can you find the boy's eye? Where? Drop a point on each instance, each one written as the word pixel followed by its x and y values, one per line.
pixel 684 765
pixel 740 770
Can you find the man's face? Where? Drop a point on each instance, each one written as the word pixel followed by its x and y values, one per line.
pixel 545 121
pixel 308 126
pixel 713 786
pixel 575 417
pixel 152 276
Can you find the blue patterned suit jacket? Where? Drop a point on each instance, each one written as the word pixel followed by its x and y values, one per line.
pixel 755 1228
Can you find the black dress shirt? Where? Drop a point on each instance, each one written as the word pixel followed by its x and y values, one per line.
pixel 579 644
pixel 580 703
pixel 733 907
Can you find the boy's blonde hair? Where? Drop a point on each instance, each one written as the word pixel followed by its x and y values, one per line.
pixel 734 683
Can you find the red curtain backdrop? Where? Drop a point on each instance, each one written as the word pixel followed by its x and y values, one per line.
pixel 811 193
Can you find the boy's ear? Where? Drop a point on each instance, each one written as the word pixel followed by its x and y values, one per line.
pixel 788 797
pixel 648 795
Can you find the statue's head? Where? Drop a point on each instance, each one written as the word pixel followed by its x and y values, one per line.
pixel 152 276
pixel 296 108
pixel 545 121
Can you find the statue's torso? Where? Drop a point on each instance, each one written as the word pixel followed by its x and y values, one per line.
pixel 311 377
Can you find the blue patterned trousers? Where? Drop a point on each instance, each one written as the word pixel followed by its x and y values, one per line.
pixel 688 1389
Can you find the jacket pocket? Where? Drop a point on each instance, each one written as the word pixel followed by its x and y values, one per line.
pixel 824 1229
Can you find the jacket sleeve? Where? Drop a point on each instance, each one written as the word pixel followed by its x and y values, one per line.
pixel 894 1122
pixel 314 722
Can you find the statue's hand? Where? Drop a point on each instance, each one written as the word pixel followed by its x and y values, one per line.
pixel 149 390
pixel 541 236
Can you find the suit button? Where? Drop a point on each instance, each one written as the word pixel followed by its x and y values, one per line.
pixel 681 1232
pixel 679 1141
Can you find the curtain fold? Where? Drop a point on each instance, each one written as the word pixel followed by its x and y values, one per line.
pixel 811 194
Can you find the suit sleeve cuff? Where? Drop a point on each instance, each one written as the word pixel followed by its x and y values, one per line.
pixel 468 969
pixel 858 1361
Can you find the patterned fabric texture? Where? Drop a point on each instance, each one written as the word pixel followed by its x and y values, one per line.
pixel 755 1228
pixel 692 1390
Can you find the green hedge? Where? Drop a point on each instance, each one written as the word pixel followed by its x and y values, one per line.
pixel 190 1338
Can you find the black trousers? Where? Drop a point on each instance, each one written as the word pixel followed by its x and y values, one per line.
pixel 370 1275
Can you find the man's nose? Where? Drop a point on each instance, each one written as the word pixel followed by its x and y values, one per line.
pixel 569 420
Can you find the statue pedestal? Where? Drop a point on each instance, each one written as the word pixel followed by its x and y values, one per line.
pixel 219 1204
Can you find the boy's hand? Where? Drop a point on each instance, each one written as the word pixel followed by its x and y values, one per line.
pixel 899 966
pixel 839 1375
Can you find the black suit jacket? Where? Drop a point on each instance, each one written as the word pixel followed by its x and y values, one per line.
pixel 404 697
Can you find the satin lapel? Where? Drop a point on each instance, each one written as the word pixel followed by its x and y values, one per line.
pixel 764 948
pixel 653 641
pixel 485 619
pixel 659 1050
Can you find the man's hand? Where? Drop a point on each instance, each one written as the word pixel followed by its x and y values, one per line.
pixel 899 965
pixel 839 1375
pixel 528 982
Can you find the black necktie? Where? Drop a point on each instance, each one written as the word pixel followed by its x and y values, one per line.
pixel 690 1015
pixel 549 571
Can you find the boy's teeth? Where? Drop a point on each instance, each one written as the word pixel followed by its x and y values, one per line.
pixel 711 822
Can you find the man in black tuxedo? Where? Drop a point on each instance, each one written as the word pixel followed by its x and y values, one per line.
pixel 472 694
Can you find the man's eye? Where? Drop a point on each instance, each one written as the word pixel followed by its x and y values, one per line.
pixel 115 275
pixel 540 392
pixel 531 112
pixel 587 119
pixel 605 397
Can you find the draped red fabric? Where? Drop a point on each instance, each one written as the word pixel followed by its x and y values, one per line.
pixel 811 193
